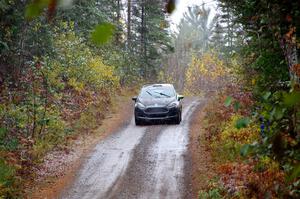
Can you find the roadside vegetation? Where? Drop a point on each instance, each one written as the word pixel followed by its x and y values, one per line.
pixel 61 64
pixel 249 74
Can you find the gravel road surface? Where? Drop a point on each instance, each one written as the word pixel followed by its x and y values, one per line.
pixel 144 162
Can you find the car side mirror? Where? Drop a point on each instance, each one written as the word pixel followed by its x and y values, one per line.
pixel 134 98
pixel 180 97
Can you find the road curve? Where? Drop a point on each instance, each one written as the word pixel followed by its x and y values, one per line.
pixel 137 162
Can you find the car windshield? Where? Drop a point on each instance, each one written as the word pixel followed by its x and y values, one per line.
pixel 157 92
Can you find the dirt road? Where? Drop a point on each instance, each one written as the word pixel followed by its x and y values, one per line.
pixel 138 162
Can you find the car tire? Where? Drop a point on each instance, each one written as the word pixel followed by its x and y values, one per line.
pixel 178 119
pixel 138 122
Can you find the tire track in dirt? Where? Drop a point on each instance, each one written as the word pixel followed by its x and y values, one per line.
pixel 138 162
pixel 106 164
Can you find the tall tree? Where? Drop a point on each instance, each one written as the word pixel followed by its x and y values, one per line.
pixel 276 20
pixel 202 28
pixel 129 23
pixel 193 36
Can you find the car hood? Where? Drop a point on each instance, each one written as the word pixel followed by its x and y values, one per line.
pixel 156 101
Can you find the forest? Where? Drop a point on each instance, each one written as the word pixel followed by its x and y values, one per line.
pixel 63 62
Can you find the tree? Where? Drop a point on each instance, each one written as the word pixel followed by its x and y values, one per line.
pixel 55 80
pixel 193 38
pixel 202 29
pixel 268 19
pixel 129 23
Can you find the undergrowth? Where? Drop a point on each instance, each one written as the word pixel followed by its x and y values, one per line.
pixel 56 98
pixel 241 173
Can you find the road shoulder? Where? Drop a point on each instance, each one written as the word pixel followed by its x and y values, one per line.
pixel 202 166
pixel 59 167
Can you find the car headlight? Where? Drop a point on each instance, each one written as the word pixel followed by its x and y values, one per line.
pixel 173 104
pixel 140 105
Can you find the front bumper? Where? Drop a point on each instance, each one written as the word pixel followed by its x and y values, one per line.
pixel 156 113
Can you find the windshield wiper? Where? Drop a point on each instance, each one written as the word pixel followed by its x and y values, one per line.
pixel 149 93
pixel 162 94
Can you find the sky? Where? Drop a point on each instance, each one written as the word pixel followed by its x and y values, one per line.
pixel 182 6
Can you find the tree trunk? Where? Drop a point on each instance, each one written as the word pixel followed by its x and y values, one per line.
pixel 291 54
pixel 143 32
pixel 118 19
pixel 129 24
pixel 142 27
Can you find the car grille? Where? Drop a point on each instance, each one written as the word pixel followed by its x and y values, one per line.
pixel 156 110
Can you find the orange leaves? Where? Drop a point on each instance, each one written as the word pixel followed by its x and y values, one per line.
pixel 253 178
pixel 254 18
pixel 290 34
pixel 288 18
pixel 296 69
pixel 51 8
pixel 233 176
pixel 243 178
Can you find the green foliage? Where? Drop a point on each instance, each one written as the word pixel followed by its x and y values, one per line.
pixel 245 149
pixel 267 95
pixel 34 9
pixel 271 70
pixel 61 67
pixel 7 143
pixel 278 139
pixel 77 65
pixel 6 178
pixel 295 174
pixel 264 35
pixel 214 190
pixel 279 128
pixel 291 99
pixel 210 194
pixel 236 106
pixel 228 101
pixel 242 123
pixel 3 132
pixel 231 141
pixel 102 33
pixel 269 57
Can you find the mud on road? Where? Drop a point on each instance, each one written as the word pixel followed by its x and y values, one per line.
pixel 138 162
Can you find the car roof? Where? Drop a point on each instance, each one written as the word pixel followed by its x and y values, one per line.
pixel 158 85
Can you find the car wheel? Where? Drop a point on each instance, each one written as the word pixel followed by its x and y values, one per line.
pixel 138 122
pixel 180 116
pixel 178 119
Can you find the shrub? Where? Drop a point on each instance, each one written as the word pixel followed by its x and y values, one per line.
pixel 7 180
pixel 54 98
pixel 230 140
